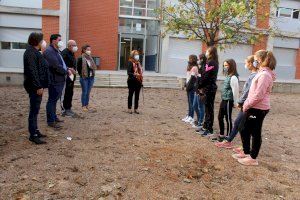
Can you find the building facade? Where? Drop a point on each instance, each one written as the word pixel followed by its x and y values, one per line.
pixel 115 27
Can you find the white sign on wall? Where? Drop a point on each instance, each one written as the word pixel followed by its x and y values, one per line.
pixel 138 27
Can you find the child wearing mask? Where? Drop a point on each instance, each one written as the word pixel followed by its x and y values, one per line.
pixel 198 103
pixel 227 143
pixel 256 107
pixel 208 87
pixel 229 95
pixel 192 72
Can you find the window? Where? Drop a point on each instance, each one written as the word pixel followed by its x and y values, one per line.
pixel 139 8
pixel 19 45
pixel 296 14
pixel 127 3
pixel 140 3
pixel 5 45
pixel 288 13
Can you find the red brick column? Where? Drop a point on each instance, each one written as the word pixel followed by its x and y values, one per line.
pixel 50 24
pixel 298 65
pixel 262 22
pixel 96 23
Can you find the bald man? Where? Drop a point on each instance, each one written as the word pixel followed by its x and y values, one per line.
pixel 70 60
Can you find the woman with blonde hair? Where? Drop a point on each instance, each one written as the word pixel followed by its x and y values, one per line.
pixel 256 107
pixel 135 80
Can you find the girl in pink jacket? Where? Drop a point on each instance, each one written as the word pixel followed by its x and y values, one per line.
pixel 256 107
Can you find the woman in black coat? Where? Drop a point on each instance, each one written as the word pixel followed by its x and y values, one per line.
pixel 135 80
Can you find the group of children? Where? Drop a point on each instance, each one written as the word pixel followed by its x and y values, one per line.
pixel 253 104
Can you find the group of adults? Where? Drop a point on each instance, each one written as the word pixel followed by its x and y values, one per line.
pixel 49 67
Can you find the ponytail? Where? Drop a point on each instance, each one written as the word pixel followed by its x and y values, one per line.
pixel 268 59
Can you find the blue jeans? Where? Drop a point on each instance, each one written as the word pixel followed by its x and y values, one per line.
pixel 236 124
pixel 199 108
pixel 35 104
pixel 190 95
pixel 86 86
pixel 54 92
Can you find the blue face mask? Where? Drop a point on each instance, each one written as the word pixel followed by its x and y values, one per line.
pixel 255 63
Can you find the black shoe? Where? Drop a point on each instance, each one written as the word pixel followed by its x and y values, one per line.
pixel 55 126
pixel 59 120
pixel 40 135
pixel 36 140
pixel 136 112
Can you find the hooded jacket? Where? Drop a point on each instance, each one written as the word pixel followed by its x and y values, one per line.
pixel 260 90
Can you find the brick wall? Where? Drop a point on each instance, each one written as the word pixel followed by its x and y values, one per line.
pixel 51 4
pixel 298 65
pixel 96 23
pixel 260 44
pixel 262 22
pixel 50 24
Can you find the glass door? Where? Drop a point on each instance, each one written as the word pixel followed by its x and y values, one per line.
pixel 129 43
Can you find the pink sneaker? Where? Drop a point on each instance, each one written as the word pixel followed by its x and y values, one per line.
pixel 240 155
pixel 248 161
pixel 238 150
pixel 225 144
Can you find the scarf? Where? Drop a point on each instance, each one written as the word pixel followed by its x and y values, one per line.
pixel 137 68
pixel 85 66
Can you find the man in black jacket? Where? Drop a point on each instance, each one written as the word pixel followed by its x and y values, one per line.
pixel 58 72
pixel 70 60
pixel 35 80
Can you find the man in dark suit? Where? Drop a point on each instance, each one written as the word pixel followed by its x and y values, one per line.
pixel 70 60
pixel 58 72
pixel 35 80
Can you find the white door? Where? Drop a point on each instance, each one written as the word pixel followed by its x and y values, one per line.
pixel 178 54
pixel 286 63
pixel 239 53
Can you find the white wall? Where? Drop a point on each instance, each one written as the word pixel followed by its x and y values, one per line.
pixel 22 3
pixel 286 59
pixel 20 21
pixel 11 58
pixel 288 24
pixel 178 53
pixel 239 53
pixel 15 35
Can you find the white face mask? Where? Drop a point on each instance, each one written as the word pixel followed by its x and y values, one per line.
pixel 74 49
pixel 255 63
pixel 246 67
pixel 206 54
pixel 136 57
pixel 88 53
pixel 60 44
pixel 44 44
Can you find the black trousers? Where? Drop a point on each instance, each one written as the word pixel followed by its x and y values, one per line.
pixel 69 91
pixel 35 104
pixel 252 128
pixel 134 90
pixel 209 110
pixel 225 111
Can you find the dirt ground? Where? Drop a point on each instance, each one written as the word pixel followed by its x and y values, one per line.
pixel 115 155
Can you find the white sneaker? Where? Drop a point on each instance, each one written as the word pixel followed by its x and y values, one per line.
pixel 186 117
pixel 189 120
pixel 192 122
pixel 196 126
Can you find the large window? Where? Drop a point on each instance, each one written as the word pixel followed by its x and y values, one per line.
pixel 288 13
pixel 138 8
pixel 5 45
pixel 13 45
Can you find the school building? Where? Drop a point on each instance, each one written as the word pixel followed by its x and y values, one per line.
pixel 115 27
